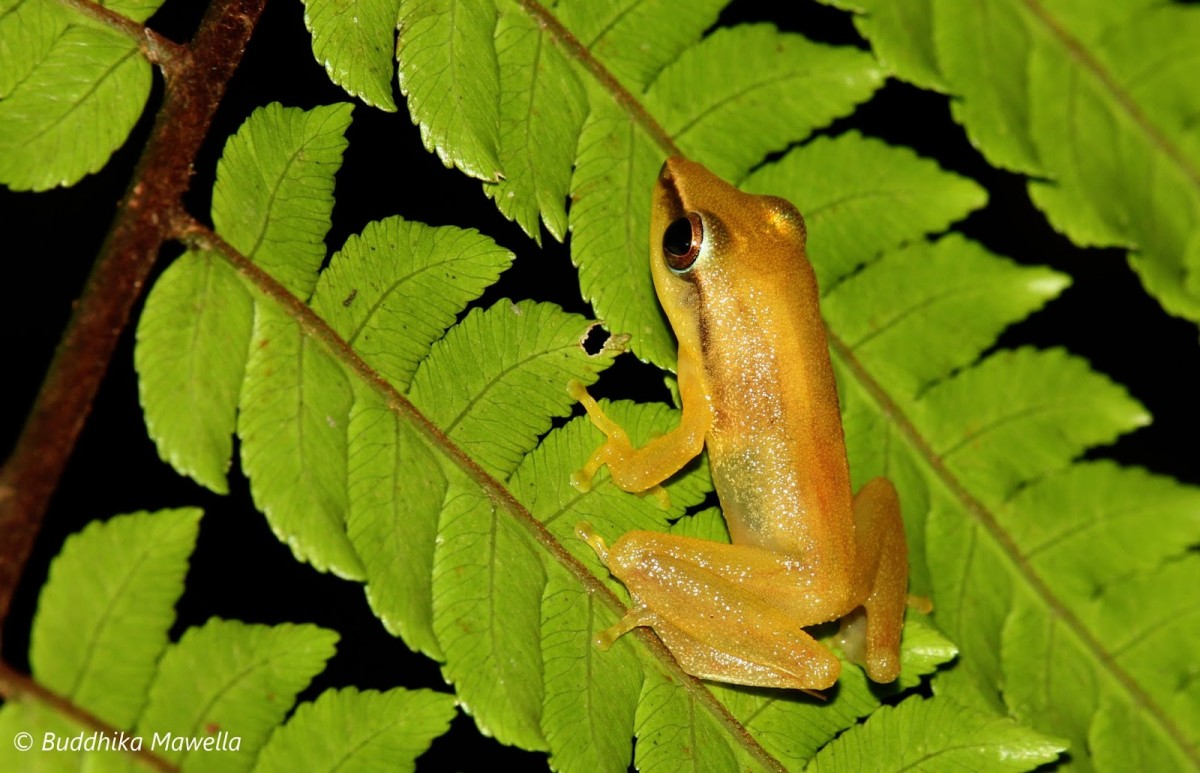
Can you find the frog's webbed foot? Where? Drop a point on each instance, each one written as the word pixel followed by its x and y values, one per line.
pixel 639 615
pixel 634 618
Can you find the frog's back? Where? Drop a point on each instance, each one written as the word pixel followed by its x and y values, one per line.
pixel 746 309
pixel 782 474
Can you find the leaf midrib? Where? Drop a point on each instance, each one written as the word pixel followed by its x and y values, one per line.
pixel 268 206
pixel 1080 55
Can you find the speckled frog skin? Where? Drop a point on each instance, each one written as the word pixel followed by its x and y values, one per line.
pixel 757 387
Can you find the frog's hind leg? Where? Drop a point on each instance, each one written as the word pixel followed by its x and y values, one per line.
pixel 732 613
pixel 870 635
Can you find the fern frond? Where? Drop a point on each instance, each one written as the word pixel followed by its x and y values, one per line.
pixel 476 568
pixel 105 610
pixel 229 674
pixel 383 730
pixel 218 696
pixel 70 91
pixel 449 43
pixel 353 40
pixel 1092 101
pixel 938 735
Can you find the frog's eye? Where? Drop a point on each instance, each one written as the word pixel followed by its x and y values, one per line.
pixel 681 242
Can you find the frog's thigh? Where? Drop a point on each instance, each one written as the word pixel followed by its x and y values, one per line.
pixel 722 612
pixel 781 582
pixel 872 636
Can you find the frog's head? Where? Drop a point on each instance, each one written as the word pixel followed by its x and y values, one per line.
pixel 711 245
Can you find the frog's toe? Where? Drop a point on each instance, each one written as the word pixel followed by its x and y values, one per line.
pixel 581 481
pixel 587 533
pixel 661 495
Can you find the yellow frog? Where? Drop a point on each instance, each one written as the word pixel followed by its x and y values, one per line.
pixel 757 387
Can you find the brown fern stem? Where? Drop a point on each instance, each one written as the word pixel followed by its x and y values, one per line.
pixel 196 77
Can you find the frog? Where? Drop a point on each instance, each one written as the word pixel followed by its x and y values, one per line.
pixel 757 390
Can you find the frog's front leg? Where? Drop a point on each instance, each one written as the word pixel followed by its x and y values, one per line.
pixel 642 469
pixel 732 613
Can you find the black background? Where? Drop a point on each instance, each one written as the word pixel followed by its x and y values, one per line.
pixel 240 571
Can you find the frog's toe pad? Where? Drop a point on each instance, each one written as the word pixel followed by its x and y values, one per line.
pixel 581 481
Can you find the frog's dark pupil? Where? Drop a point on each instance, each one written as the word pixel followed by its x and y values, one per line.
pixel 677 239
